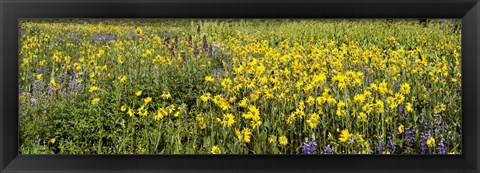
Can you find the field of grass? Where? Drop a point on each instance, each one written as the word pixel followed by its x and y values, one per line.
pixel 181 86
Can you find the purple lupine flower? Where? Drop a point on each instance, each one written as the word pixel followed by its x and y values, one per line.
pixel 421 126
pixel 104 38
pixel 38 87
pixel 68 37
pixel 189 40
pixel 218 73
pixel 175 44
pixel 184 56
pixel 309 147
pixel 166 41
pixel 195 50
pixel 451 136
pixel 205 45
pixel 423 144
pixel 437 122
pixel 424 126
pixel 380 147
pixel 391 145
pixel 327 150
pixel 409 136
pixel 442 149
pixel 401 109
pixel 444 124
pixel 172 50
pixel 210 50
pixel 50 87
pixel 75 85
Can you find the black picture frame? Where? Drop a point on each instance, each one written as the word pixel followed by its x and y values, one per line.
pixel 13 10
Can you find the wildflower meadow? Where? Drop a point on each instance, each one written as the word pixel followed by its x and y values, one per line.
pixel 240 86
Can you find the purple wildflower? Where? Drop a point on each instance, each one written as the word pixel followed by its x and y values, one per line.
pixel 205 45
pixel 175 44
pixel 328 150
pixel 442 149
pixel 423 126
pixel 309 147
pixel 210 50
pixel 364 71
pixel 218 73
pixel 409 136
pixel 444 124
pixel 50 87
pixel 401 109
pixel 75 85
pixel 397 87
pixel 184 56
pixel 172 50
pixel 104 38
pixel 189 40
pixel 391 145
pixel 38 87
pixel 195 50
pixel 380 147
pixel 437 122
pixel 166 41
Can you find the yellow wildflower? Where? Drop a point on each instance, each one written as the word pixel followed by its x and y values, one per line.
pixel 405 88
pixel 209 79
pixel 431 142
pixel 205 97
pixel 39 76
pixel 272 139
pixel 216 150
pixel 138 93
pixel 138 31
pixel 400 129
pixel 243 135
pixel 243 103
pixel 344 136
pixel 122 79
pixel 95 101
pixel 228 120
pixel 161 112
pixel 312 122
pixel 282 140
pixel 147 100
pixel 166 95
